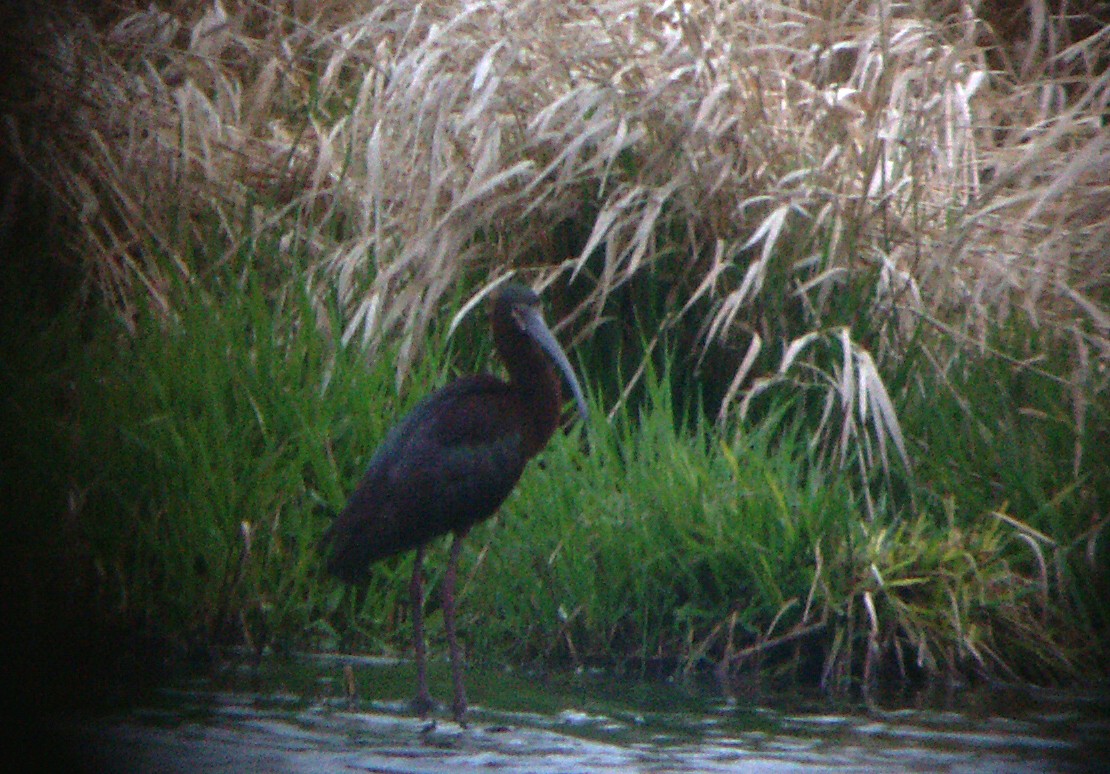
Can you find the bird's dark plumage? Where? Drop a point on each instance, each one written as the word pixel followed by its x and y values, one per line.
pixel 449 463
pixel 452 460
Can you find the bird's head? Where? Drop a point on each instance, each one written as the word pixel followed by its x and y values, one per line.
pixel 519 306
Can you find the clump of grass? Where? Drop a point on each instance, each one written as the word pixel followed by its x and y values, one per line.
pixel 1007 437
pixel 927 598
pixel 646 546
pixel 649 544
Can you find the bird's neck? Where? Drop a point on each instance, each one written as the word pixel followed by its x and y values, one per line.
pixel 534 380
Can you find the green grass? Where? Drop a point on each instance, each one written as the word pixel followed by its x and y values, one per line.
pixel 998 446
pixel 194 463
pixel 202 454
pixel 641 547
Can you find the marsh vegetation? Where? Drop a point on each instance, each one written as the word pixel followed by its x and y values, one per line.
pixel 834 275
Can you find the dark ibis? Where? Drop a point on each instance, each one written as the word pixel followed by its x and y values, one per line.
pixel 451 462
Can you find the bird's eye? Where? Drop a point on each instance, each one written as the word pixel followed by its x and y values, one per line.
pixel 520 316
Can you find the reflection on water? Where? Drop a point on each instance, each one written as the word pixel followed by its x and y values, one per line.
pixel 294 718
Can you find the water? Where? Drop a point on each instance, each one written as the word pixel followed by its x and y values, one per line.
pixel 294 718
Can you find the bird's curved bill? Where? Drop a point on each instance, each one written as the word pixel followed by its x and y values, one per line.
pixel 537 329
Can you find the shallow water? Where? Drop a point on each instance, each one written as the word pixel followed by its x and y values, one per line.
pixel 293 717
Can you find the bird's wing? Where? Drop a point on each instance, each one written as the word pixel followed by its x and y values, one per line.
pixel 456 456
pixel 448 464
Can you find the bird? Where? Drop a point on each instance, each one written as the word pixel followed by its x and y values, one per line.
pixel 450 463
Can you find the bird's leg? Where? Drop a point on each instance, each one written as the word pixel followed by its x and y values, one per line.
pixel 422 704
pixel 459 706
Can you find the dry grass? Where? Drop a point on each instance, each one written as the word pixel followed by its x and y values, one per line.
pixel 402 146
